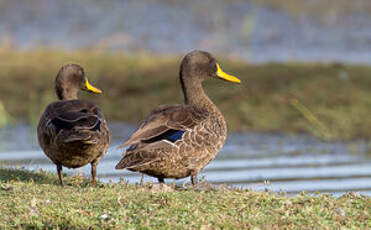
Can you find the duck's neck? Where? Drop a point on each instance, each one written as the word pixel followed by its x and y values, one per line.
pixel 64 93
pixel 194 94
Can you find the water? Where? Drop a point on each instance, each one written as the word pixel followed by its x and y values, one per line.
pixel 251 160
pixel 228 28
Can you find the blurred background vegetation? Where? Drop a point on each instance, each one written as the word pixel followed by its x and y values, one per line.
pixel 304 63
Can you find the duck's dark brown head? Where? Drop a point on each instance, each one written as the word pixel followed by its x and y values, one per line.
pixel 198 66
pixel 70 80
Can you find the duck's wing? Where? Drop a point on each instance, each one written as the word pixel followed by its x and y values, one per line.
pixel 167 122
pixel 153 140
pixel 139 155
pixel 74 120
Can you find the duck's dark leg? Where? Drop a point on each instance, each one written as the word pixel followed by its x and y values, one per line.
pixel 142 180
pixel 161 180
pixel 93 173
pixel 194 180
pixel 59 170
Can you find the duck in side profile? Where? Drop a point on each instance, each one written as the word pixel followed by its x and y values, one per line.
pixel 73 132
pixel 177 141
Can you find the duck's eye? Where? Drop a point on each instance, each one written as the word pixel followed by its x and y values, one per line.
pixel 213 67
pixel 83 78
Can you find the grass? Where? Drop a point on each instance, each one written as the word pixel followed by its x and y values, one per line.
pixel 337 96
pixel 35 200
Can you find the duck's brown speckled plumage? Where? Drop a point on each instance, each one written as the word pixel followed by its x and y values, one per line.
pixel 73 132
pixel 203 124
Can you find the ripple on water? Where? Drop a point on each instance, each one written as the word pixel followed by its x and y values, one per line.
pixel 256 161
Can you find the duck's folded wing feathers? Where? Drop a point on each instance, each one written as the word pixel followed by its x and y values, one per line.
pixel 75 114
pixel 74 106
pixel 166 118
pixel 76 120
pixel 144 154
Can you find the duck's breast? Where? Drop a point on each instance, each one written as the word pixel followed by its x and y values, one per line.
pixel 202 144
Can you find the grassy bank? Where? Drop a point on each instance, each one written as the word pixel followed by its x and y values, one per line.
pixel 35 200
pixel 327 100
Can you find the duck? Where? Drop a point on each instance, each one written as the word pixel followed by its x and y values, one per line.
pixel 73 132
pixel 178 141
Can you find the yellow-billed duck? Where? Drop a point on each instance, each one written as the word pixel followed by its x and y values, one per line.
pixel 73 132
pixel 177 141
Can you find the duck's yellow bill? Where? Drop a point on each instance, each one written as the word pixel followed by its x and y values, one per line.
pixel 90 87
pixel 221 74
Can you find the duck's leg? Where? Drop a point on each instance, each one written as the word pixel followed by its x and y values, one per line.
pixel 161 180
pixel 142 180
pixel 93 173
pixel 59 170
pixel 194 179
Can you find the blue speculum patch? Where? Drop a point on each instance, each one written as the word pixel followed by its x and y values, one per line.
pixel 170 135
pixel 177 135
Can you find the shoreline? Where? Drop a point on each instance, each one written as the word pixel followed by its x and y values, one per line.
pixel 329 101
